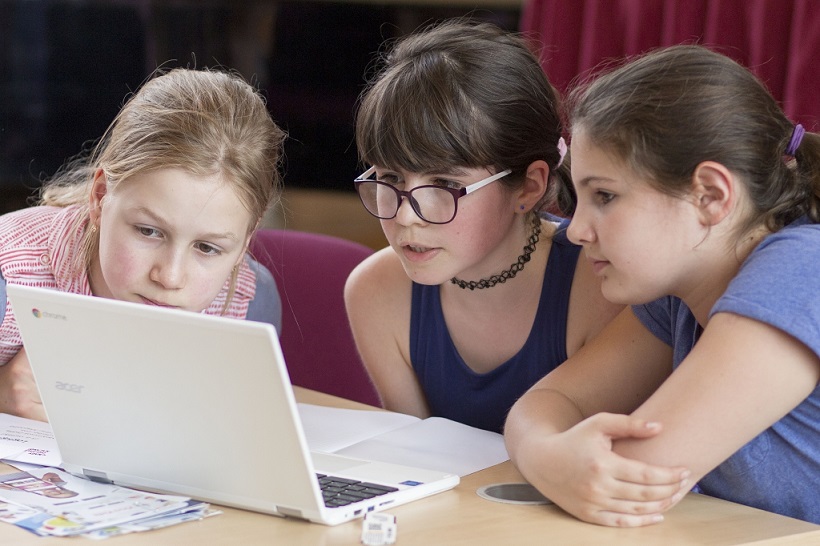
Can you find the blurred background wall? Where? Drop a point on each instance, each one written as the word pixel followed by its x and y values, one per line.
pixel 67 65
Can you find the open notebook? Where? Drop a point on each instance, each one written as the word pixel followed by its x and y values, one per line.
pixel 184 403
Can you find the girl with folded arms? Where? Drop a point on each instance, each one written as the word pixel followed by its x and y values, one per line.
pixel 698 204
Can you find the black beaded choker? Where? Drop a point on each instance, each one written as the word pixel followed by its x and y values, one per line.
pixel 510 273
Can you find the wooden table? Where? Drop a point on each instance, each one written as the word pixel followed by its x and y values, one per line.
pixel 460 516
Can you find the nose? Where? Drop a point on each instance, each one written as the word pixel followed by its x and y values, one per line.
pixel 406 215
pixel 580 230
pixel 169 270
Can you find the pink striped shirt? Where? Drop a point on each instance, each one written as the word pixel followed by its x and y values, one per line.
pixel 39 246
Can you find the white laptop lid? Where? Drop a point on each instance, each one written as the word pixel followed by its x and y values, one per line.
pixel 185 403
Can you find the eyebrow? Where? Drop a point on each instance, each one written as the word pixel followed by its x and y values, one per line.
pixel 229 235
pixel 587 179
pixel 449 172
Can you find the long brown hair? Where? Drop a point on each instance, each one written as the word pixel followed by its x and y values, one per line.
pixel 671 109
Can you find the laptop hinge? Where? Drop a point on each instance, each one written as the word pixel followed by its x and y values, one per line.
pixel 290 512
pixel 96 476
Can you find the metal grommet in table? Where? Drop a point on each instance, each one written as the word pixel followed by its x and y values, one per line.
pixel 512 493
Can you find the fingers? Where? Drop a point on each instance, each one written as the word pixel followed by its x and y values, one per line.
pixel 23 400
pixel 38 413
pixel 609 493
pixel 18 390
pixel 615 512
pixel 623 492
pixel 587 479
pixel 664 494
pixel 630 471
pixel 33 410
pixel 623 513
pixel 620 513
pixel 623 426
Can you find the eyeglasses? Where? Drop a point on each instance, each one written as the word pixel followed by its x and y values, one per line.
pixel 433 204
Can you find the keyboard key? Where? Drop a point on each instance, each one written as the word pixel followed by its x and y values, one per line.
pixel 338 491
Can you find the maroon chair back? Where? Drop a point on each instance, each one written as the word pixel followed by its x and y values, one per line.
pixel 310 271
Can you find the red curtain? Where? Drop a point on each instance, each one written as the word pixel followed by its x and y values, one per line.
pixel 779 40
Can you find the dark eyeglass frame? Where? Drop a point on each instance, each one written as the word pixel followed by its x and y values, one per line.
pixel 400 194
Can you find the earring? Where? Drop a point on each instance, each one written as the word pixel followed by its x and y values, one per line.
pixel 522 207
pixel 93 228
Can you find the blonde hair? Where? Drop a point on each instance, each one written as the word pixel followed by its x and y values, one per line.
pixel 205 122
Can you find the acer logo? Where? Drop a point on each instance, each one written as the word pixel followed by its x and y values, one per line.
pixel 70 387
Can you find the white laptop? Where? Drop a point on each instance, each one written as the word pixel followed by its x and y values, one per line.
pixel 189 404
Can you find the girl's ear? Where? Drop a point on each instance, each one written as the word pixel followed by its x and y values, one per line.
pixel 535 186
pixel 99 189
pixel 714 192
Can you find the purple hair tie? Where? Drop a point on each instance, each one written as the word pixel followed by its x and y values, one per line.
pixel 797 138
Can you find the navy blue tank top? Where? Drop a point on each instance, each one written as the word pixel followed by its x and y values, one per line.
pixel 455 391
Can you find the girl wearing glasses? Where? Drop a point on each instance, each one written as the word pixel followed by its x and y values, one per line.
pixel 698 203
pixel 478 296
pixel 160 213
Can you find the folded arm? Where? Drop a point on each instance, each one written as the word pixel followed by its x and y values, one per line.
pixel 561 439
pixel 740 378
pixel 616 470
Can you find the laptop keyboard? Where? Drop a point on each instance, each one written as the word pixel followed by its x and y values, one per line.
pixel 338 491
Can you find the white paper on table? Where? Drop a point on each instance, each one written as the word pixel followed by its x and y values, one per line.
pixel 28 441
pixel 434 443
pixel 329 429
